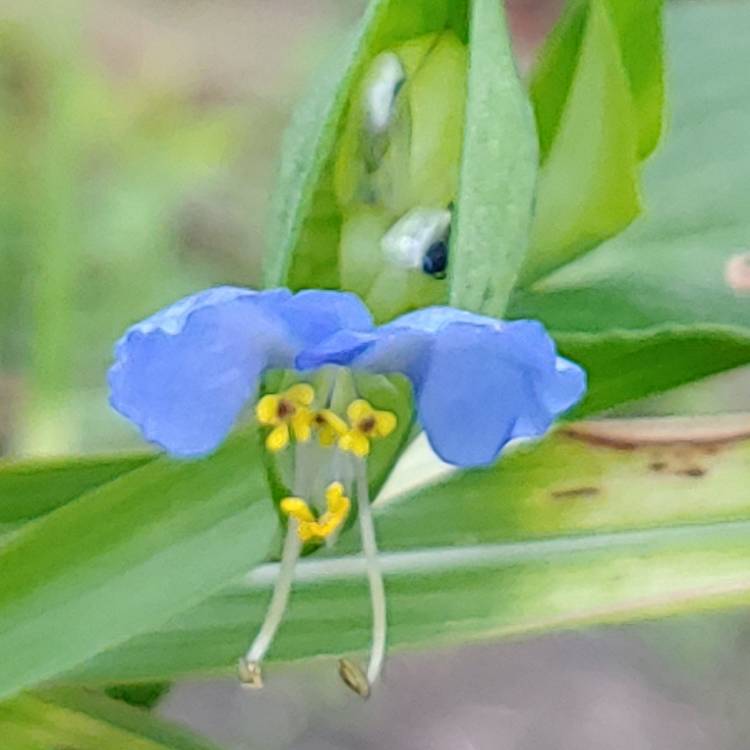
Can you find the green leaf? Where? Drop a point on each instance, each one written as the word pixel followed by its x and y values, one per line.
pixel 639 31
pixel 87 721
pixel 659 291
pixel 29 489
pixel 498 171
pixel 638 27
pixel 588 185
pixel 626 365
pixel 599 523
pixel 126 557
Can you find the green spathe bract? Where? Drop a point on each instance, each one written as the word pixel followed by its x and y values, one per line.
pixel 417 169
pixel 462 138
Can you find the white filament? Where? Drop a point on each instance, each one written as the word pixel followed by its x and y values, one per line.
pixel 374 575
pixel 279 598
pixel 289 557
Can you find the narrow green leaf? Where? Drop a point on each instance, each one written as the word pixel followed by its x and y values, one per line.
pixel 126 557
pixel 588 185
pixel 498 171
pixel 600 523
pixel 638 26
pixel 639 30
pixel 29 489
pixel 624 366
pixel 87 721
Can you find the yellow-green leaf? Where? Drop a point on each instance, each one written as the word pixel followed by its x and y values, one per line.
pixel 588 185
pixel 85 720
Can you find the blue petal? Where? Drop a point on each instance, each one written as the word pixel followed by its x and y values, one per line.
pixel 472 394
pixel 401 346
pixel 315 315
pixel 183 375
pixel 489 383
pixel 342 348
pixel 478 382
pixel 559 383
pixel 433 319
pixel 172 319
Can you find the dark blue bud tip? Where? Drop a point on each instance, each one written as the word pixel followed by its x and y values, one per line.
pixel 435 261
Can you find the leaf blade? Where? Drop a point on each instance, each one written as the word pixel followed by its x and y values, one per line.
pixel 588 184
pixel 583 528
pixel 88 721
pixel 498 171
pixel 103 559
pixel 29 489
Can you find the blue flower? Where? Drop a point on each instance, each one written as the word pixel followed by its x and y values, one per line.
pixel 478 382
pixel 185 374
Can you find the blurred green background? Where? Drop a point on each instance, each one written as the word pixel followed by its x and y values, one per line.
pixel 138 143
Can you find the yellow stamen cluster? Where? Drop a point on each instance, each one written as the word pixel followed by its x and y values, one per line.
pixel 287 412
pixel 329 426
pixel 365 424
pixel 290 413
pixel 312 529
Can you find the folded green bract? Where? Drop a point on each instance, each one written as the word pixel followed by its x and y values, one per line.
pixel 462 139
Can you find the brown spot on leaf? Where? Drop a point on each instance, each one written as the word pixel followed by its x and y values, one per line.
pixel 702 434
pixel 658 465
pixel 692 471
pixel 575 492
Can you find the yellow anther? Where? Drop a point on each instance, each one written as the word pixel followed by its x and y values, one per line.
pixel 337 509
pixel 310 529
pixel 365 424
pixel 329 425
pixel 287 412
pixel 296 507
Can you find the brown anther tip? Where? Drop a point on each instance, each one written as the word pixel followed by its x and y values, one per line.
pixel 354 678
pixel 250 674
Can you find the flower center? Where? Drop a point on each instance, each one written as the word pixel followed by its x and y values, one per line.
pixel 337 469
pixel 286 409
pixel 367 425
